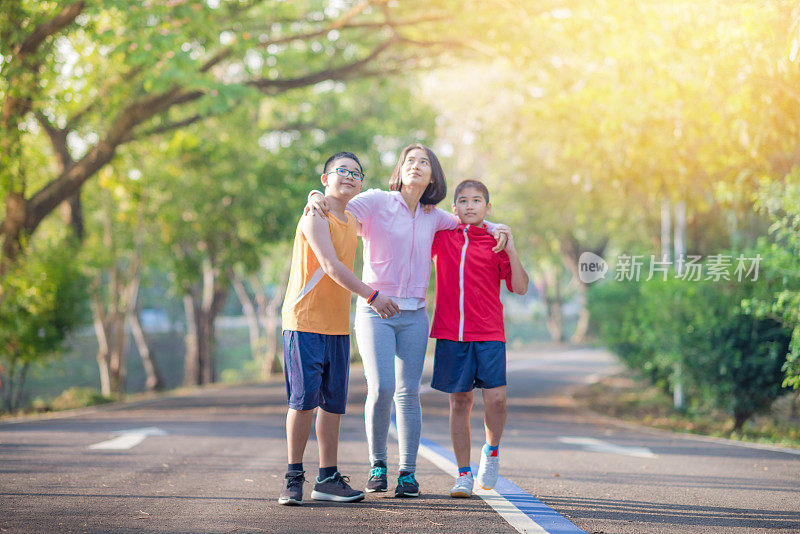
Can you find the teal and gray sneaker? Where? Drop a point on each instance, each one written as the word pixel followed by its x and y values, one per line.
pixel 407 485
pixel 377 478
pixel 292 492
pixel 336 488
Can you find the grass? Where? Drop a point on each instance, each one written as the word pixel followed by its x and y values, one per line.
pixel 624 397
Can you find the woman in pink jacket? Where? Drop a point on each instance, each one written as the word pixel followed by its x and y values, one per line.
pixel 397 237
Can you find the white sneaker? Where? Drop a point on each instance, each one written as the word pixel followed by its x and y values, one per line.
pixel 488 470
pixel 463 487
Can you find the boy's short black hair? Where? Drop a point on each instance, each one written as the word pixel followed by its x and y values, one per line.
pixel 339 155
pixel 472 183
pixel 436 190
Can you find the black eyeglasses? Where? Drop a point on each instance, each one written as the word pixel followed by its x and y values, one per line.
pixel 345 173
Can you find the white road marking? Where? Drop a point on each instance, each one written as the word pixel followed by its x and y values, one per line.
pixel 500 504
pixel 514 514
pixel 128 438
pixel 746 445
pixel 510 513
pixel 596 445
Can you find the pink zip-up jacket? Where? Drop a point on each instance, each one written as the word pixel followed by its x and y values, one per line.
pixel 397 246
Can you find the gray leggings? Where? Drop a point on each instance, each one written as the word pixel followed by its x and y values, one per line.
pixel 393 352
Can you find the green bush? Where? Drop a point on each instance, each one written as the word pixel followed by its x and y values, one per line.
pixel 733 359
pixel 781 253
pixel 625 319
pixel 250 372
pixel 727 359
pixel 44 297
pixel 78 397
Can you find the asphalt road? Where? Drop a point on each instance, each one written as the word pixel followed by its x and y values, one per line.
pixel 212 461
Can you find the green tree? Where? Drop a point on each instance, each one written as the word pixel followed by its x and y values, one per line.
pixel 234 189
pixel 95 76
pixel 782 266
pixel 45 298
pixel 591 121
pixel 116 252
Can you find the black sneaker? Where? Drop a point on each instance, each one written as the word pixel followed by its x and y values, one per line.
pixel 336 488
pixel 407 485
pixel 377 478
pixel 292 493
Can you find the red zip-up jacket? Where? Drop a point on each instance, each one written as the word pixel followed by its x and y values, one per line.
pixel 468 276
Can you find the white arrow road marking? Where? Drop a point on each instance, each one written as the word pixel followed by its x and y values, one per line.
pixel 596 445
pixel 128 438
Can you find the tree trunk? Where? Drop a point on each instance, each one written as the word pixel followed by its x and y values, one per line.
pixel 205 329
pixel 274 346
pixel 666 230
pixel 205 323
pixel 191 358
pixel 739 419
pixel 109 320
pixel 677 388
pixel 571 252
pixel 220 295
pixel 12 230
pixel 583 317
pixel 269 318
pixel 154 381
pixel 8 385
pixel 257 342
pixel 554 301
pixel 554 320
pixel 72 214
pixel 14 384
pixel 101 333
pixel 680 236
pixel 205 338
pixel 3 384
pixel 23 373
pixel 213 298
pixel 117 364
pixel 201 315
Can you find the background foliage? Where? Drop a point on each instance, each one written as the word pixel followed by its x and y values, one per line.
pixel 167 148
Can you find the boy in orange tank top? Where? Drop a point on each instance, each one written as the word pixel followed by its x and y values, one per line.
pixel 316 323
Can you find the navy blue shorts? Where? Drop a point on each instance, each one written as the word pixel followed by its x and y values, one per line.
pixel 464 365
pixel 317 369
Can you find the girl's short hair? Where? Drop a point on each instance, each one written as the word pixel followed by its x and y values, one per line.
pixel 340 155
pixel 436 190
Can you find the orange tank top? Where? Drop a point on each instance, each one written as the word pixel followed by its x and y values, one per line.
pixel 314 302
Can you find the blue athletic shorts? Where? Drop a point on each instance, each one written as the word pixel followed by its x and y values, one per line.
pixel 463 365
pixel 317 369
